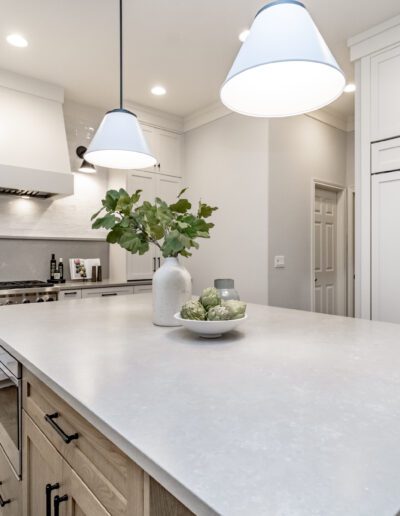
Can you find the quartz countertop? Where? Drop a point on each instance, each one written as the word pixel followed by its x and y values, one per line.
pixel 105 283
pixel 296 413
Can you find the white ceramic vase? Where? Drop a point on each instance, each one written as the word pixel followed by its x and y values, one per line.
pixel 172 287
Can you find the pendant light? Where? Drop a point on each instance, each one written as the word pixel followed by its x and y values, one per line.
pixel 284 66
pixel 119 140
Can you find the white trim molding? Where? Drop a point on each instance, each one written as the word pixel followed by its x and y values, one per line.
pixel 375 39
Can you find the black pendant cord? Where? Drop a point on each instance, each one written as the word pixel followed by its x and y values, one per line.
pixel 121 92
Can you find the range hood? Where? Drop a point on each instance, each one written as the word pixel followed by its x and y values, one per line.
pixel 34 158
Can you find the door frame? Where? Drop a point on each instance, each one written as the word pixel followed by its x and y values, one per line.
pixel 351 194
pixel 342 242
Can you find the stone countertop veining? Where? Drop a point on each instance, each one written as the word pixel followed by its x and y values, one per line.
pixel 105 283
pixel 295 414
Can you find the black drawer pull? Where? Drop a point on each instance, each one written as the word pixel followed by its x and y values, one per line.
pixel 105 294
pixel 2 501
pixel 65 437
pixel 49 489
pixel 57 501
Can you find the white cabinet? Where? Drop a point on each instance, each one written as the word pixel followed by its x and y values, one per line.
pixel 140 289
pixel 152 186
pixel 385 156
pixel 66 295
pixel 106 292
pixel 385 247
pixel 385 98
pixel 166 147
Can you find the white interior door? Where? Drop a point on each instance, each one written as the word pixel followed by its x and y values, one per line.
pixel 325 251
pixel 385 247
pixel 142 267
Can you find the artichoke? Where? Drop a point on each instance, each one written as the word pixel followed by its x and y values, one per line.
pixel 194 310
pixel 218 313
pixel 237 309
pixel 210 298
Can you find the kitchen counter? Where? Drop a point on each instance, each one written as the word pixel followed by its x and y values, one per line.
pixel 295 414
pixel 78 284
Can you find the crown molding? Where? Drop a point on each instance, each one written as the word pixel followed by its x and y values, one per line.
pixel 375 39
pixel 218 110
pixel 205 115
pixel 156 118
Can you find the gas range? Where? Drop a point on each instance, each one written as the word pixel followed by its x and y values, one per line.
pixel 22 292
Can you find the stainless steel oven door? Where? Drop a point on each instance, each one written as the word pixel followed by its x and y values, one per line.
pixel 10 413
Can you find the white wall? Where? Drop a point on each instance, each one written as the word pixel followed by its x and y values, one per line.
pixel 69 216
pixel 350 164
pixel 301 148
pixel 226 164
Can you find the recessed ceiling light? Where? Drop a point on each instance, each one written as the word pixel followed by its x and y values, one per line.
pixel 349 88
pixel 16 40
pixel 158 90
pixel 243 35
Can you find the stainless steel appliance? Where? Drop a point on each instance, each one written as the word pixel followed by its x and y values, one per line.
pixel 21 292
pixel 10 408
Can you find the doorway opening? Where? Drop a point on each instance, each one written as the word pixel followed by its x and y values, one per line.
pixel 332 250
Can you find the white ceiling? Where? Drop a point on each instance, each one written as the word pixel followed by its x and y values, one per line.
pixel 185 45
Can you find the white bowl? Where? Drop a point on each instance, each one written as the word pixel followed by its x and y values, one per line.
pixel 209 329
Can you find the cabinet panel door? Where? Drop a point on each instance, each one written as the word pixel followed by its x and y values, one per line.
pixel 66 295
pixel 142 267
pixel 42 465
pixel 106 292
pixel 10 488
pixel 151 138
pixel 385 98
pixel 169 153
pixel 81 501
pixel 385 247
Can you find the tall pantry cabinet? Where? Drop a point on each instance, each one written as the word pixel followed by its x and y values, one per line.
pixel 162 180
pixel 376 54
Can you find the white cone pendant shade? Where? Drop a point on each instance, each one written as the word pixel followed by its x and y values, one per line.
pixel 119 143
pixel 284 67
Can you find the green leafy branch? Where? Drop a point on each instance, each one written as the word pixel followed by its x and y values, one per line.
pixel 170 227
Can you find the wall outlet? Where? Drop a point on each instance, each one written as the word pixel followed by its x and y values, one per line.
pixel 279 262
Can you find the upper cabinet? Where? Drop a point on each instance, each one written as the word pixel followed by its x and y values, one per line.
pixel 385 98
pixel 166 147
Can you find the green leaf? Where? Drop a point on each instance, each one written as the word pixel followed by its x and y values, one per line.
pixel 97 213
pixel 106 222
pixel 110 202
pixel 157 231
pixel 114 235
pixel 181 193
pixel 205 211
pixel 181 206
pixel 136 196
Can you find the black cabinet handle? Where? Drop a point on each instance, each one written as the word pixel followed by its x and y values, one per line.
pixel 110 294
pixel 154 265
pixel 65 437
pixel 49 489
pixel 57 501
pixel 159 262
pixel 159 166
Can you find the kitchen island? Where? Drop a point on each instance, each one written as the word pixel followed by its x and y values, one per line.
pixel 296 413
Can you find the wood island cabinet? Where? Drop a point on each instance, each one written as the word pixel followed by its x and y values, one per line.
pixel 89 475
pixel 10 489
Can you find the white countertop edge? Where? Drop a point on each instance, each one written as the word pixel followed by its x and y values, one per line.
pixel 184 495
pixel 106 283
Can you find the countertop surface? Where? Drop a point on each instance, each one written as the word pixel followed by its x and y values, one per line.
pixel 296 414
pixel 105 283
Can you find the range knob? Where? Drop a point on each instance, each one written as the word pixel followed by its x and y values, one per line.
pixel 39 300
pixel 25 301
pixel 49 299
pixel 9 302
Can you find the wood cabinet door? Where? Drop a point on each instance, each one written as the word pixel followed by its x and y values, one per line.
pixel 142 267
pixel 81 501
pixel 42 465
pixel 10 488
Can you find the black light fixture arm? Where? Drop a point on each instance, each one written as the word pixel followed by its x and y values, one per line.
pixel 121 78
